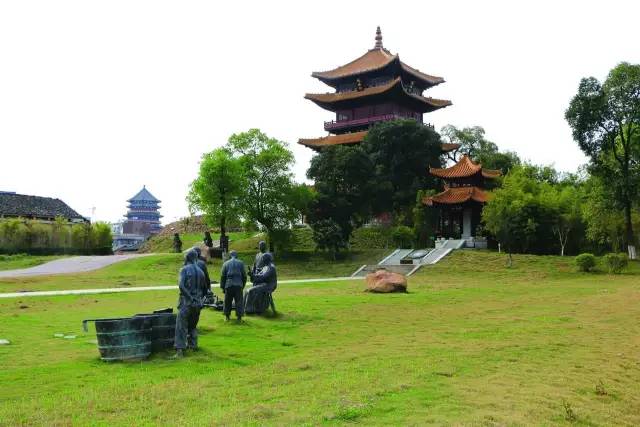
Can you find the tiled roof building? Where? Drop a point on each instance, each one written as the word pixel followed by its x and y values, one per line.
pixel 460 204
pixel 143 215
pixel 14 205
pixel 375 87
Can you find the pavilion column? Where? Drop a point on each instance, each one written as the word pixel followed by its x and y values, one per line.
pixel 466 222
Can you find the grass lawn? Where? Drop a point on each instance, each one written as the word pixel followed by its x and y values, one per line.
pixel 164 243
pixel 162 269
pixel 14 262
pixel 473 343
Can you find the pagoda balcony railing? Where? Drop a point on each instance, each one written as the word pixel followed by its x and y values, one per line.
pixel 341 124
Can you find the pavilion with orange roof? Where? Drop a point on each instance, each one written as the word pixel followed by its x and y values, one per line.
pixel 373 88
pixel 460 204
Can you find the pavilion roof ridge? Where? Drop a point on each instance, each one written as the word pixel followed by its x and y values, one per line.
pixel 465 167
pixel 143 195
pixel 372 59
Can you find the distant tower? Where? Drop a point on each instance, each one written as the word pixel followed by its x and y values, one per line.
pixel 143 216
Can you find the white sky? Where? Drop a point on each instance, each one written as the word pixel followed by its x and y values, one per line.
pixel 99 98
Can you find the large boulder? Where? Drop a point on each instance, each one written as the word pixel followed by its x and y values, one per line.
pixel 383 281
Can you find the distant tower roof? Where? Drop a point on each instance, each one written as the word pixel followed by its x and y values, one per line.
pixel 378 39
pixel 143 195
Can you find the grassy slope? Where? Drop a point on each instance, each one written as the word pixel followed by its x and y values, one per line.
pixel 164 243
pixel 163 269
pixel 14 262
pixel 472 343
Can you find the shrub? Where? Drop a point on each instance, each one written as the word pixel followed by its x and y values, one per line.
pixel 616 262
pixel 376 237
pixel 585 262
pixel 402 236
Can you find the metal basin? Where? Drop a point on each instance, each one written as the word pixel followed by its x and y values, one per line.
pixel 127 338
pixel 163 329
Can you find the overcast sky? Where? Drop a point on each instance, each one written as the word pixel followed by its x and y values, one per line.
pixel 98 99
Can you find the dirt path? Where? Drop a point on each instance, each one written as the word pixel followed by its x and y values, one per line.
pixel 76 264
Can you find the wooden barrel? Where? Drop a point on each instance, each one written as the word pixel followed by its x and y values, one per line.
pixel 163 329
pixel 127 338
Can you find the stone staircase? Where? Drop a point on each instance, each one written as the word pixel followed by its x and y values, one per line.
pixel 413 259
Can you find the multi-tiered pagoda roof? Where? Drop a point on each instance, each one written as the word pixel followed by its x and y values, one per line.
pixel 465 182
pixel 375 87
pixel 143 215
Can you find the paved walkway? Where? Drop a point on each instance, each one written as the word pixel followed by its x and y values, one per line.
pixel 140 289
pixel 76 264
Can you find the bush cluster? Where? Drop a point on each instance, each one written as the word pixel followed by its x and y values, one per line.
pixel 616 263
pixel 19 235
pixel 586 262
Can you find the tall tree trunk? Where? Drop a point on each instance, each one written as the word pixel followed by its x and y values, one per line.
pixel 629 237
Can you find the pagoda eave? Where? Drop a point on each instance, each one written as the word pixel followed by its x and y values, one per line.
pixel 394 90
pixel 327 141
pixel 458 196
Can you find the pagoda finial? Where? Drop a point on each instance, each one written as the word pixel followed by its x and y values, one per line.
pixel 378 38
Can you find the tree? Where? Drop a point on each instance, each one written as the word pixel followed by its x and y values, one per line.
pixel 266 163
pixel 218 188
pixel 301 198
pixel 328 236
pixel 605 119
pixel 566 204
pixel 344 187
pixel 474 144
pixel 402 152
pixel 102 235
pixel 605 226
pixel 519 214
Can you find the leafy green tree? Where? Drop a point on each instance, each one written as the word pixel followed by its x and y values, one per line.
pixel 60 233
pixel 301 198
pixel 81 237
pixel 519 214
pixel 565 203
pixel 605 119
pixel 474 144
pixel 344 187
pixel 266 163
pixel 102 237
pixel 605 225
pixel 328 236
pixel 401 152
pixel 218 189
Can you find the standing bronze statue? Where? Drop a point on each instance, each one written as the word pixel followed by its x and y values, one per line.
pixel 202 264
pixel 177 243
pixel 232 281
pixel 208 241
pixel 192 289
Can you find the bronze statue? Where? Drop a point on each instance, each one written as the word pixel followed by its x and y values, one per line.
pixel 192 288
pixel 208 241
pixel 177 243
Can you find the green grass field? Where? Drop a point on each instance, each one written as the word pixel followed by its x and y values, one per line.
pixel 472 343
pixel 13 262
pixel 162 269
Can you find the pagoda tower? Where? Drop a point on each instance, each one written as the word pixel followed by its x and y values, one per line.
pixel 373 88
pixel 143 216
pixel 460 204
